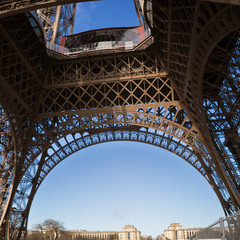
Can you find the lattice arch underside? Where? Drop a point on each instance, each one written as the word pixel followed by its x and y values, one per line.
pixel 74 142
pixel 79 139
pixel 170 119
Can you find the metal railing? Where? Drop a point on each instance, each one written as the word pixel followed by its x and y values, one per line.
pixel 224 229
pixel 98 46
pixel 142 41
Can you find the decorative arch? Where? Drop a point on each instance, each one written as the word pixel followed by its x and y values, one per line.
pixel 166 126
pixel 74 142
pixel 19 94
pixel 214 30
pixel 7 162
pixel 175 123
pixel 9 149
pixel 224 26
pixel 228 19
pixel 62 114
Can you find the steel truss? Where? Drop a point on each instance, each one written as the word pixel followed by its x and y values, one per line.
pixel 57 21
pixel 175 94
pixel 12 7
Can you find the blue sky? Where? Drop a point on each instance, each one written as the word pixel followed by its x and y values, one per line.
pixel 104 14
pixel 109 185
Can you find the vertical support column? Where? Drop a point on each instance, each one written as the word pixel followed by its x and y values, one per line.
pixel 221 221
pixel 6 222
pixel 56 23
pixel 31 196
pixel 8 233
pixel 73 18
pixel 169 33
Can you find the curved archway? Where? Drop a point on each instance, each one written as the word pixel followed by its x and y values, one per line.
pixel 7 162
pixel 174 123
pixel 54 126
pixel 222 108
pixel 71 143
pixel 9 150
pixel 202 75
pixel 19 94
pixel 149 170
pixel 206 44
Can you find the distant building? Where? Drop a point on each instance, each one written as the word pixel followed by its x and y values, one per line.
pixel 176 232
pixel 129 232
pixel 146 237
pixel 161 237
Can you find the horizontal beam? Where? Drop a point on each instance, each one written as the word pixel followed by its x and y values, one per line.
pixel 12 7
pixel 235 2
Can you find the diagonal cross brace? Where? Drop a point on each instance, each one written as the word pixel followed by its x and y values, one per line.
pixel 12 7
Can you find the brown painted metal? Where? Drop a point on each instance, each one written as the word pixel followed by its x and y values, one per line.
pixel 56 23
pixel 237 2
pixel 73 18
pixel 173 94
pixel 12 7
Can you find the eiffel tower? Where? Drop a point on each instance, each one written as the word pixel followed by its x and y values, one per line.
pixel 178 89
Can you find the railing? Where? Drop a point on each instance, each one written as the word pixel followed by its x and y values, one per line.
pixel 98 46
pixel 142 41
pixel 225 229
pixel 57 48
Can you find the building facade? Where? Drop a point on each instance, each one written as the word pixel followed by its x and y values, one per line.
pixel 128 232
pixel 176 232
pixel 146 237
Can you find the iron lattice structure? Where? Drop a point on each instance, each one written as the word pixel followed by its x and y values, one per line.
pixel 181 94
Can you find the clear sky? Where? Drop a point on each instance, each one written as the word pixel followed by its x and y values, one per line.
pixel 104 14
pixel 107 186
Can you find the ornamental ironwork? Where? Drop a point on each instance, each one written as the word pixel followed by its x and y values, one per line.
pixel 178 89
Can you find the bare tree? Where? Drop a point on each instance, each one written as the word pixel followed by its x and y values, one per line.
pixel 50 229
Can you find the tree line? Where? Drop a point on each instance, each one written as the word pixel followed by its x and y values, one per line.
pixel 54 230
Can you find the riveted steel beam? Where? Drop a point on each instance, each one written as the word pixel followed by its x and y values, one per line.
pixel 12 7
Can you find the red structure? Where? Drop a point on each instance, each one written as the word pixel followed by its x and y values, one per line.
pixel 124 37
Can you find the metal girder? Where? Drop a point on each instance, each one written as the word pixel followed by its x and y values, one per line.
pixel 12 7
pixel 173 25
pixel 56 21
pixel 139 10
pixel 174 94
pixel 75 142
pixel 235 2
pixel 8 157
pixel 207 46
